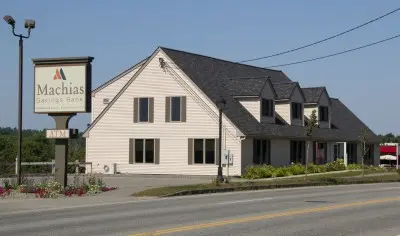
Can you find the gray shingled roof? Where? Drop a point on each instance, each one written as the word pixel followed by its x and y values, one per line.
pixel 206 71
pixel 244 86
pixel 312 95
pixel 284 90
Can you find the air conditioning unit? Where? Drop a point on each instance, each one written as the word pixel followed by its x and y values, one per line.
pixel 108 168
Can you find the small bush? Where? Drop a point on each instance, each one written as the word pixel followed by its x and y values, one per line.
pixel 336 165
pixel 354 167
pixel 258 172
pixel 312 168
pixel 297 169
pixel 398 171
pixel 282 172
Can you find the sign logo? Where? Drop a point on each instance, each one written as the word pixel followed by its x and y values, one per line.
pixel 59 75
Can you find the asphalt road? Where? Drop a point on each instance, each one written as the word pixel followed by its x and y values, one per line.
pixel 337 210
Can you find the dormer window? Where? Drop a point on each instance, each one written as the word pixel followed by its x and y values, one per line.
pixel 267 107
pixel 297 111
pixel 323 113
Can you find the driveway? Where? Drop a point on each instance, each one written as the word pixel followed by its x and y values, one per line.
pixel 128 184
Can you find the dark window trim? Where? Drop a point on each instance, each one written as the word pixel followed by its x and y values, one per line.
pixel 296 111
pixel 323 113
pixel 270 107
pixel 144 151
pixel 180 109
pixel 148 110
pixel 299 145
pixel 204 151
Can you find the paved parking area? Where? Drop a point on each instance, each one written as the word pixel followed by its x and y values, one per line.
pixel 129 184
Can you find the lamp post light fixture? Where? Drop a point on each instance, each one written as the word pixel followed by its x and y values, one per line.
pixel 29 24
pixel 221 105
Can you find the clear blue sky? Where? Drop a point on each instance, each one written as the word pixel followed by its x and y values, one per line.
pixel 120 33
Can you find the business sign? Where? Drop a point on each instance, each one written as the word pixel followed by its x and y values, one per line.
pixel 62 88
pixel 61 133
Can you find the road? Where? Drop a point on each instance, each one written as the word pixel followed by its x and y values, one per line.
pixel 337 210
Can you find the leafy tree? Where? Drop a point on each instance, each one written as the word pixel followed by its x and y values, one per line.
pixel 364 147
pixel 312 123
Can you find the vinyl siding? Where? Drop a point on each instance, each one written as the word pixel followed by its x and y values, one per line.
pixel 253 105
pixel 308 110
pixel 109 92
pixel 267 93
pixel 283 109
pixel 296 97
pixel 108 141
pixel 280 152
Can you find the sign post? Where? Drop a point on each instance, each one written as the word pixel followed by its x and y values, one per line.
pixel 62 88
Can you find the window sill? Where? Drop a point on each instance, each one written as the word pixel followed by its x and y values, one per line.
pixel 141 163
pixel 203 164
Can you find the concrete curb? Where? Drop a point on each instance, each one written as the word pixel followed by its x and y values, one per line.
pixel 269 186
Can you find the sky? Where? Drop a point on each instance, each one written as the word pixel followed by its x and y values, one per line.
pixel 120 33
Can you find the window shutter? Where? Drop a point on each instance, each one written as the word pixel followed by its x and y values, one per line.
pixel 190 151
pixel 151 110
pixel 292 110
pixel 157 151
pixel 183 109
pixel 135 110
pixel 217 151
pixel 167 109
pixel 131 151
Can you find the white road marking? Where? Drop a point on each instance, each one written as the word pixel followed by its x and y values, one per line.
pixel 245 201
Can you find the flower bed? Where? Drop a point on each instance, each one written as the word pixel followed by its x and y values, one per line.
pixel 267 171
pixel 52 189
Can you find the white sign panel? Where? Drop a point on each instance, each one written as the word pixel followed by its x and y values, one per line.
pixel 57 133
pixel 60 89
pixel 227 157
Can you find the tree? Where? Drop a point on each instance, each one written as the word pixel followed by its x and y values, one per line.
pixel 312 123
pixel 364 147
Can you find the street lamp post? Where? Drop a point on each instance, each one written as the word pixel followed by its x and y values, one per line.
pixel 29 24
pixel 221 104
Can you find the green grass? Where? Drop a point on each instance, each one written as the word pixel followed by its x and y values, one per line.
pixel 327 179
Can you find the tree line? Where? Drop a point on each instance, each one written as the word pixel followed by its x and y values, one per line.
pixel 35 148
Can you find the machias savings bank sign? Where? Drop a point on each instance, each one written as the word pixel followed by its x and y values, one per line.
pixel 61 89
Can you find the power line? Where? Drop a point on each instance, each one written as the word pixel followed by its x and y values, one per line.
pixel 335 54
pixel 323 40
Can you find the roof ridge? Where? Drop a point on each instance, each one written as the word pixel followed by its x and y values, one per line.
pixel 120 75
pixel 313 87
pixel 196 54
pixel 292 82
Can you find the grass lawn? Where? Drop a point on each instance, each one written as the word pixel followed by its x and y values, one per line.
pixel 295 181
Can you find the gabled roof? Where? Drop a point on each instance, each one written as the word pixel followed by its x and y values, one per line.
pixel 242 87
pixel 346 121
pixel 125 72
pixel 207 73
pixel 284 90
pixel 313 94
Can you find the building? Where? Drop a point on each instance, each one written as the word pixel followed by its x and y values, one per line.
pixel 161 117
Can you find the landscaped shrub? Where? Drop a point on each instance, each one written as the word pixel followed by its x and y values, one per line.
pixel 398 171
pixel 354 167
pixel 258 172
pixel 297 169
pixel 312 168
pixel 336 165
pixel 281 172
